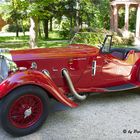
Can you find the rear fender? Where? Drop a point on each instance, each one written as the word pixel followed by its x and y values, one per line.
pixel 136 71
pixel 34 77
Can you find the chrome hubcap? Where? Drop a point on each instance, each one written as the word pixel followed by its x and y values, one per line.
pixel 28 112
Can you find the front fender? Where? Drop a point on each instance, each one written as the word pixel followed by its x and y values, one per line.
pixel 34 77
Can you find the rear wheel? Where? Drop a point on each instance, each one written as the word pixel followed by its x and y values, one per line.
pixel 24 110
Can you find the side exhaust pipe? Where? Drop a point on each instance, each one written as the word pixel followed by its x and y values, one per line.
pixel 71 86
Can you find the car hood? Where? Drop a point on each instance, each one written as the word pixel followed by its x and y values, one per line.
pixel 44 53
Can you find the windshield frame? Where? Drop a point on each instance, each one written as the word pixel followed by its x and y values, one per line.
pixel 104 48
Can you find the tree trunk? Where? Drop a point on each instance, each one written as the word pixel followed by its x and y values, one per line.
pixel 46 29
pixel 71 25
pixel 81 23
pixel 51 28
pixel 77 15
pixel 89 24
pixel 39 29
pixel 71 12
pixel 17 29
pixel 23 30
pixel 33 32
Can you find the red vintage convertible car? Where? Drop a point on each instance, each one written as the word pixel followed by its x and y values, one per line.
pixel 35 76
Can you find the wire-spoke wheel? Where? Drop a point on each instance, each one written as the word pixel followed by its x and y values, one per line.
pixel 24 110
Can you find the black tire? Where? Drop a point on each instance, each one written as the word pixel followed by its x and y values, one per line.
pixel 38 96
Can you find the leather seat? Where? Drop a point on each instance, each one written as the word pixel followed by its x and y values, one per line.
pixel 121 53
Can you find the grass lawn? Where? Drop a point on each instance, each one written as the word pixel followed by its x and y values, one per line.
pixel 22 42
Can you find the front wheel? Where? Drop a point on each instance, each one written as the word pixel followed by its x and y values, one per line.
pixel 24 110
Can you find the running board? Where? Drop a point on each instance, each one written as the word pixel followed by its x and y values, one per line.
pixel 121 87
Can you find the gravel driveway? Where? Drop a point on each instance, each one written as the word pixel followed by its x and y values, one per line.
pixel 100 117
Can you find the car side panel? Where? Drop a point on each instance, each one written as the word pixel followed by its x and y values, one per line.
pixel 32 77
pixel 110 71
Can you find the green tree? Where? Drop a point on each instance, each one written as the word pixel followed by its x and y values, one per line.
pixel 14 11
pixel 79 14
pixel 32 9
pixel 39 10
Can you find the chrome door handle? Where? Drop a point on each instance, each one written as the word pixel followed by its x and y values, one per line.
pixel 94 68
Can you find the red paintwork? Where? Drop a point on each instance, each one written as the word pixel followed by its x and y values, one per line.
pixel 17 111
pixel 77 59
pixel 32 77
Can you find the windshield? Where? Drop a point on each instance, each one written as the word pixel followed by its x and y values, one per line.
pixel 88 38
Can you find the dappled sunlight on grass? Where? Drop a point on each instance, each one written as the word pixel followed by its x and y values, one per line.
pixel 14 39
pixel 45 44
pixel 55 35
pixel 22 42
pixel 14 46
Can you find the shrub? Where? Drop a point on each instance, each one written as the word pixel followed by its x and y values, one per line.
pixel 13 28
pixel 117 40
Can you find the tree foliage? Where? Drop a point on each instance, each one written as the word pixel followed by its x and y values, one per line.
pixel 72 15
